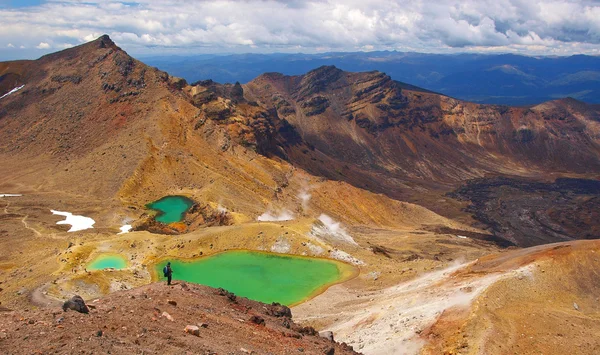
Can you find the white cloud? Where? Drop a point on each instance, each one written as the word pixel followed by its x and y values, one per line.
pixel 10 45
pixel 551 26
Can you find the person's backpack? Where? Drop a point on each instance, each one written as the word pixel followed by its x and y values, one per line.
pixel 166 271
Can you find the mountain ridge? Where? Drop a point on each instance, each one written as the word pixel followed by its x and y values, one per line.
pixel 443 73
pixel 364 129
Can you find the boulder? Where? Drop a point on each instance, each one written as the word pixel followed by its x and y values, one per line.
pixel 192 329
pixel 307 331
pixel 230 295
pixel 167 315
pixel 278 310
pixel 76 303
pixel 327 335
pixel 257 320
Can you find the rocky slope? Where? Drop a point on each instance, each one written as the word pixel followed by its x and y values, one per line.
pixel 415 145
pixel 152 319
pixel 391 132
pixel 527 301
pixel 545 302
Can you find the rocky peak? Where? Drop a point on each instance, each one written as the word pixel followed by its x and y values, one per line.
pixel 85 51
pixel 105 41
pixel 317 81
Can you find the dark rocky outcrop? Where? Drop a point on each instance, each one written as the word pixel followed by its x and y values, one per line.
pixel 124 63
pixel 203 97
pixel 237 92
pixel 257 320
pixel 230 295
pixel 76 303
pixel 277 310
pixel 308 330
pixel 317 81
pixel 315 105
pixel 218 111
pixel 75 79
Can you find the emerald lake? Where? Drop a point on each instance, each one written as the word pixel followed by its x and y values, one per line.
pixel 105 261
pixel 261 276
pixel 171 208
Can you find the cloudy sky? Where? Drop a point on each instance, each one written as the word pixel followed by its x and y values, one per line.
pixel 30 28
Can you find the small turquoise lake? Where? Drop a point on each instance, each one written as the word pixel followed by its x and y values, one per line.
pixel 171 208
pixel 262 276
pixel 106 261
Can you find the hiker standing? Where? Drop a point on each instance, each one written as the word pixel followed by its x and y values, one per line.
pixel 168 273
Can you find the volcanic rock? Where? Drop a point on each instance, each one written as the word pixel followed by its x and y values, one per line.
pixel 76 303
pixel 192 329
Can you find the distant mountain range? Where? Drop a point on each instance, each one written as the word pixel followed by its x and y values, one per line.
pixel 497 79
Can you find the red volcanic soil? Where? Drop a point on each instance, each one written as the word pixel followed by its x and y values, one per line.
pixel 151 320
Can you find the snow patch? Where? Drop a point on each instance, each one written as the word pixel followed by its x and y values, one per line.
pixel 125 228
pixel 10 195
pixel 343 256
pixel 330 228
pixel 461 237
pixel 12 91
pixel 270 216
pixel 77 222
pixel 282 245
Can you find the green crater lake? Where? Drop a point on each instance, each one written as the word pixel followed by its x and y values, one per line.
pixel 106 261
pixel 261 276
pixel 171 208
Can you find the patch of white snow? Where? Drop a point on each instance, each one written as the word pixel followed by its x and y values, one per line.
pixel 125 228
pixel 12 91
pixel 10 195
pixel 77 223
